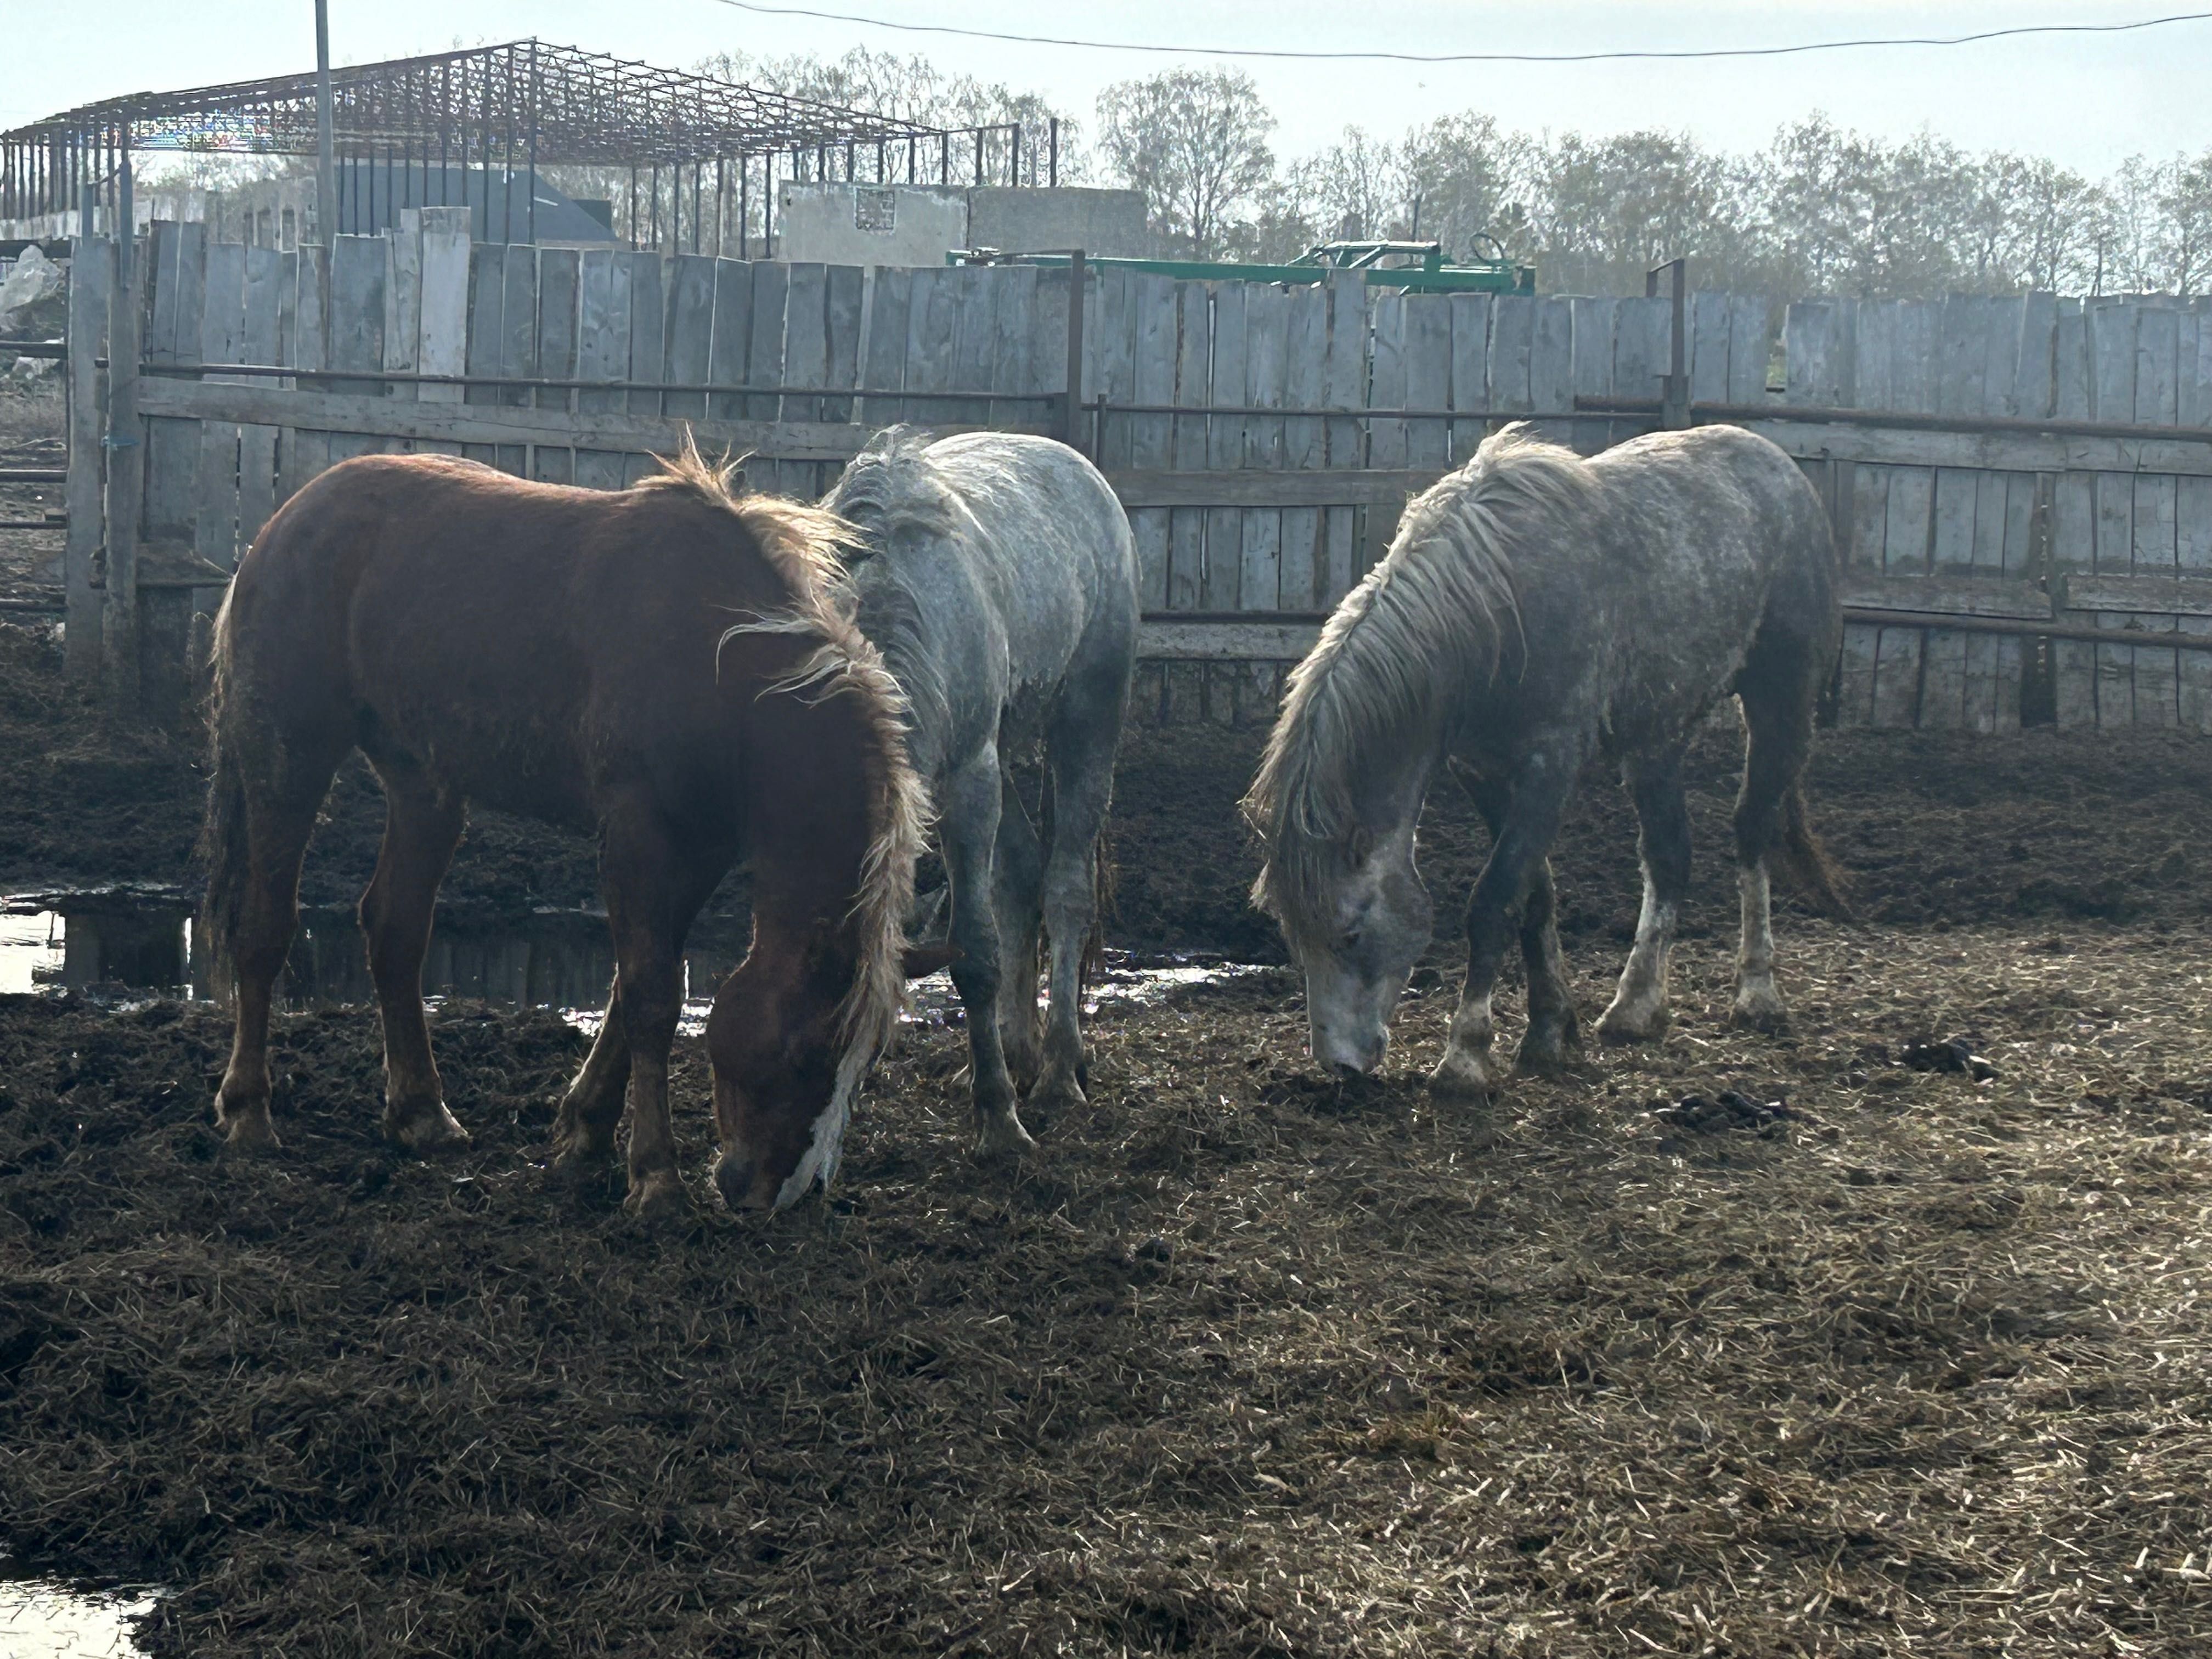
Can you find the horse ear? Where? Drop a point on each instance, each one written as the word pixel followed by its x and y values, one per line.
pixel 923 959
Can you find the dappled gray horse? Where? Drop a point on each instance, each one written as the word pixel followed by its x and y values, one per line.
pixel 995 572
pixel 1535 609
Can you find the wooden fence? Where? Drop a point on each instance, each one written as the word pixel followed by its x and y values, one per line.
pixel 2035 466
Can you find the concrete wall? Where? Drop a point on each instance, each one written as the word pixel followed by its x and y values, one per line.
pixel 1110 222
pixel 870 224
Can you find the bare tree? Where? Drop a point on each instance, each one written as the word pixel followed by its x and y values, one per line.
pixel 1195 143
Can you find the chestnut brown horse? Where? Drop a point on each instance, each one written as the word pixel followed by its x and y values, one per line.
pixel 671 668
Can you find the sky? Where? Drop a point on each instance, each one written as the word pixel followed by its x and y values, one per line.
pixel 2088 102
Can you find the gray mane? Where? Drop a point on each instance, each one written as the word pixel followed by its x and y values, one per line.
pixel 1426 623
pixel 890 490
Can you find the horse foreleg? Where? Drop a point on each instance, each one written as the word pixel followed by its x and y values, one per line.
pixel 653 891
pixel 970 830
pixel 422 827
pixel 1638 1010
pixel 1529 820
pixel 584 1133
pixel 1554 1039
pixel 1776 690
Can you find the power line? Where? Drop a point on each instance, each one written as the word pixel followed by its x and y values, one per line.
pixel 1476 56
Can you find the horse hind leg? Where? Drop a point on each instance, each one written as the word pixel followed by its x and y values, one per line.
pixel 1080 753
pixel 1638 1011
pixel 1777 691
pixel 1017 878
pixel 269 783
pixel 422 827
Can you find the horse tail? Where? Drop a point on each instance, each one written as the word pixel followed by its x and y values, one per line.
pixel 224 847
pixel 1807 862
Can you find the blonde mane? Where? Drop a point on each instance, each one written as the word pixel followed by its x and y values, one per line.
pixel 1422 628
pixel 804 544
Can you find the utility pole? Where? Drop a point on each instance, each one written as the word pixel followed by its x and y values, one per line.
pixel 327 195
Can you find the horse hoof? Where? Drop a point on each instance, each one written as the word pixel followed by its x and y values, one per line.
pixel 1461 1077
pixel 1547 1059
pixel 247 1129
pixel 658 1197
pixel 996 1135
pixel 433 1129
pixel 1055 1095
pixel 1760 1013
pixel 1615 1026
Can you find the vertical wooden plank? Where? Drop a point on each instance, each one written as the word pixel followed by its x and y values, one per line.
pixel 1153 366
pixel 1386 439
pixel 124 503
pixel 257 445
pixel 1590 364
pixel 1259 529
pixel 648 336
pixel 1512 341
pixel 1386 385
pixel 91 273
pixel 1872 352
pixel 1551 365
pixel 806 338
pixel 1185 700
pixel 2074 663
pixel 1749 336
pixel 222 340
pixel 930 330
pixel 976 341
pixel 518 349
pixel 1222 588
pixel 883 352
pixel 764 346
pixel 1343 385
pixel 1431 351
pixel 1305 570
pixel 1960 354
pixel 2112 391
pixel 842 317
pixel 602 353
pixel 691 337
pixel 2152 552
pixel 486 331
pixel 559 269
pixel 1708 347
pixel 1993 663
pixel 727 356
pixel 402 300
pixel 1467 385
pixel 176 261
pixel 443 342
pixel 1010 368
pixel 300 455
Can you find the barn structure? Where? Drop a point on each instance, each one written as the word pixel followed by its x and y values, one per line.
pixel 703 157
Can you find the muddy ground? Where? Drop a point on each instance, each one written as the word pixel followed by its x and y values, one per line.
pixel 1842 1357
pixel 1845 1358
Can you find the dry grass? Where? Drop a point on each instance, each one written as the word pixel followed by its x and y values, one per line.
pixel 1245 1364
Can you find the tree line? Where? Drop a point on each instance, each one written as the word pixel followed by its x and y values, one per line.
pixel 1819 210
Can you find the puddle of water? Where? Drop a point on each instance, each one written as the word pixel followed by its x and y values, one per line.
pixel 125 943
pixel 45 1619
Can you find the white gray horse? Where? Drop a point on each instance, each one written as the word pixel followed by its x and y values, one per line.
pixel 1536 610
pixel 996 574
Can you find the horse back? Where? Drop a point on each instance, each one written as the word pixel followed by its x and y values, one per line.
pixel 519 640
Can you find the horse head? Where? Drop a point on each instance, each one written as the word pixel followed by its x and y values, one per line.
pixel 1358 926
